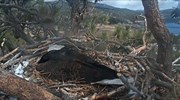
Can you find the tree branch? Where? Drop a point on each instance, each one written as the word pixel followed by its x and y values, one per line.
pixel 23 89
pixel 17 7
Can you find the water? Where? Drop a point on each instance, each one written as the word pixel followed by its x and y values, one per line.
pixel 173 28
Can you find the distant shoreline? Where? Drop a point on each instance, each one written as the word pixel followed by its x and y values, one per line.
pixel 174 28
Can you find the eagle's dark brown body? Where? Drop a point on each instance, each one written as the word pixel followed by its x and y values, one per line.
pixel 68 64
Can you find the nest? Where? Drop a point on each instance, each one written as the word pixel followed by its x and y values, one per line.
pixel 142 77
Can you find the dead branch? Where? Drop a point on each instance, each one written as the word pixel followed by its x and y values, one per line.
pixel 119 89
pixel 156 70
pixel 130 86
pixel 108 95
pixel 12 62
pixel 176 65
pixel 43 42
pixel 9 54
pixel 176 60
pixel 13 58
pixel 140 65
pixel 162 84
pixel 62 85
pixel 161 74
pixel 142 48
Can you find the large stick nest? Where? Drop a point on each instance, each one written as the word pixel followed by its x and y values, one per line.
pixel 141 77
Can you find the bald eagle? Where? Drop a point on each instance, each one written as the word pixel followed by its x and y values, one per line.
pixel 68 64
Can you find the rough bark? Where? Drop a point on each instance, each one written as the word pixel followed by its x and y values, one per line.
pixel 75 18
pixel 75 25
pixel 23 89
pixel 160 32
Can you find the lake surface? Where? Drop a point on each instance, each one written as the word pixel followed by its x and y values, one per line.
pixel 173 28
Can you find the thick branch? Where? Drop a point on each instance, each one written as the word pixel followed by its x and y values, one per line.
pixel 154 20
pixel 160 32
pixel 22 89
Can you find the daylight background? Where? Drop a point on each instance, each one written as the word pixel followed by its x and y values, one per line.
pixel 137 4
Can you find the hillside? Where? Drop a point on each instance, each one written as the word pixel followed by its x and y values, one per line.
pixel 166 15
pixel 119 15
pixel 116 15
pixel 125 15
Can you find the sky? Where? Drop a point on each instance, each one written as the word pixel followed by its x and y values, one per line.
pixel 137 4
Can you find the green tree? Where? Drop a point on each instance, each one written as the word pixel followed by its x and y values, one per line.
pixel 14 15
pixel 79 9
pixel 26 18
pixel 48 12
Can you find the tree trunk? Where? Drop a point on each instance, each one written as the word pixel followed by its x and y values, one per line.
pixel 22 89
pixel 75 25
pixel 161 34
pixel 75 19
